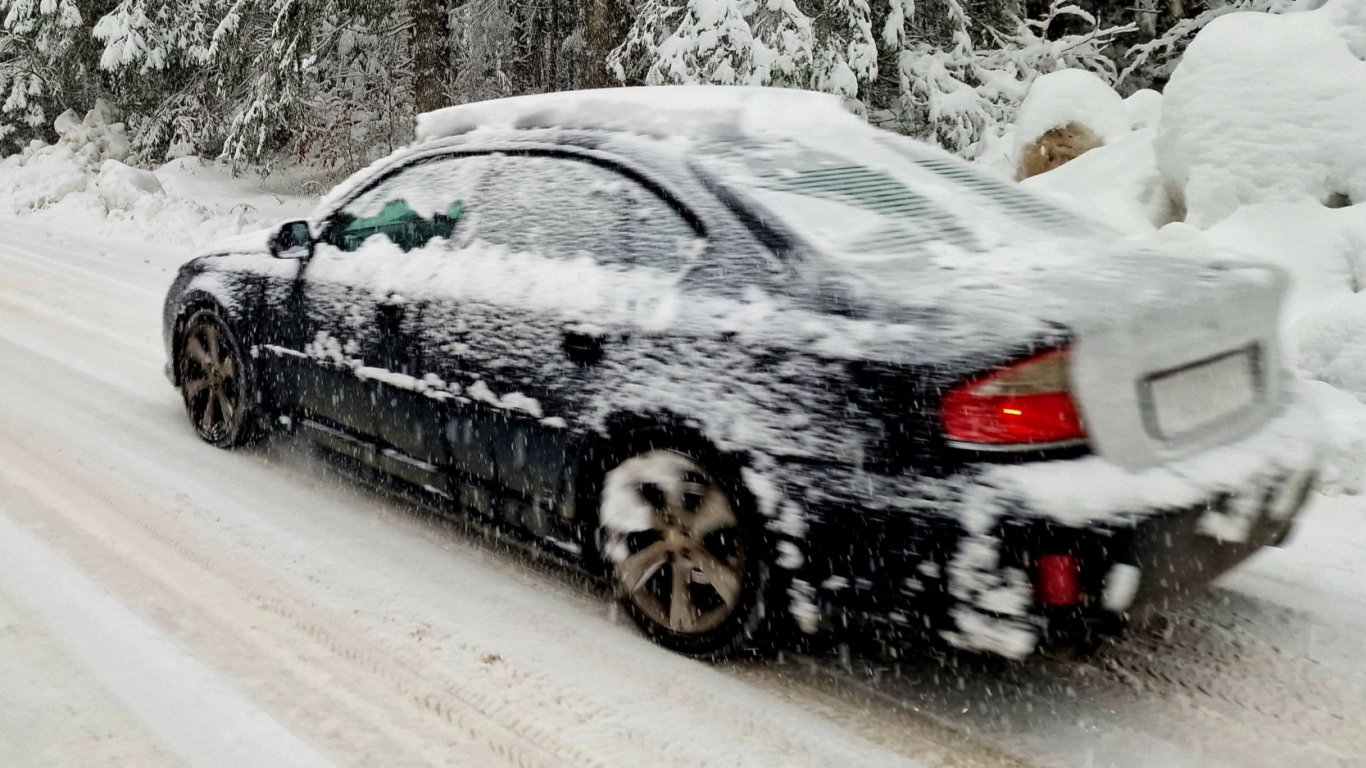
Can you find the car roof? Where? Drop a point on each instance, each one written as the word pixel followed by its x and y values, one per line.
pixel 663 123
pixel 697 112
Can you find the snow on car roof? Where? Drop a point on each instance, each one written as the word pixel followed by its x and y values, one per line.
pixel 690 110
pixel 705 113
pixel 711 115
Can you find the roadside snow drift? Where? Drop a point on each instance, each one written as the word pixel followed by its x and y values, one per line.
pixel 1257 150
pixel 85 180
pixel 1267 108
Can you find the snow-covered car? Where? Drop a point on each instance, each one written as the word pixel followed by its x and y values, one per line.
pixel 767 369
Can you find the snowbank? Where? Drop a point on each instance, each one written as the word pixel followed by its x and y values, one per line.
pixel 1268 108
pixel 1118 184
pixel 1344 469
pixel 83 180
pixel 1323 249
pixel 1330 348
pixel 1257 149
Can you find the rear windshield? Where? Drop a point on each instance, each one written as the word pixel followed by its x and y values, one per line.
pixel 894 202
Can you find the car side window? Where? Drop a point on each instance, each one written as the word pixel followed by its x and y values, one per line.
pixel 563 207
pixel 422 202
pixel 658 236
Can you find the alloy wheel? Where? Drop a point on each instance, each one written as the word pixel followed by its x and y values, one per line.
pixel 210 378
pixel 675 543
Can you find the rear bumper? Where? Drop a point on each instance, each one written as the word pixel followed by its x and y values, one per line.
pixel 957 558
pixel 1153 563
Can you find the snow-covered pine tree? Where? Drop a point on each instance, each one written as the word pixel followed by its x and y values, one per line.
pixel 329 80
pixel 172 62
pixel 334 82
pixel 715 42
pixel 606 24
pixel 823 44
pixel 504 49
pixel 539 35
pixel 930 67
pixel 1167 27
pixel 958 76
pixel 846 49
pixel 46 63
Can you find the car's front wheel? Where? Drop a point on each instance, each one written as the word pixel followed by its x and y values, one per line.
pixel 215 382
pixel 684 554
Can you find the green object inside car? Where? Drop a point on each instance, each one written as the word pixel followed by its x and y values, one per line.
pixel 400 223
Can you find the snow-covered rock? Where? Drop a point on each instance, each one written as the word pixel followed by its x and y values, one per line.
pixel 1071 106
pixel 1267 108
pixel 1122 185
pixel 1071 96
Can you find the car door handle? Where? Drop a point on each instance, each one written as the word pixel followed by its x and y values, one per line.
pixel 583 344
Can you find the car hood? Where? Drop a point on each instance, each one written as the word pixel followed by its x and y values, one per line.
pixel 250 242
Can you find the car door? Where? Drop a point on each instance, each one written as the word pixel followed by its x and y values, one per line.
pixel 556 278
pixel 380 257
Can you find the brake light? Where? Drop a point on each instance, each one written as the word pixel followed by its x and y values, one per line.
pixel 1028 403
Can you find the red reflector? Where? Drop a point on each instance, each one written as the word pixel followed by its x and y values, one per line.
pixel 1058 582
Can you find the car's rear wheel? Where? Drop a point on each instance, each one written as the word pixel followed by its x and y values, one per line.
pixel 216 382
pixel 684 553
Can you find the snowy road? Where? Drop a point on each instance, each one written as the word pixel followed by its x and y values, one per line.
pixel 165 603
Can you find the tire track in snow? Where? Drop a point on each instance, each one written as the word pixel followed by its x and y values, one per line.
pixel 174 578
pixel 133 430
pixel 752 726
pixel 196 714
pixel 72 272
pixel 43 691
pixel 1204 656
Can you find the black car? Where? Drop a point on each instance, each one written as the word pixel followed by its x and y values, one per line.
pixel 766 369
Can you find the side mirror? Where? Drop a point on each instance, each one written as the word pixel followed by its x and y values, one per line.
pixel 293 240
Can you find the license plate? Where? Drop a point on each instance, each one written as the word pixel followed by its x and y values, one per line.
pixel 1190 400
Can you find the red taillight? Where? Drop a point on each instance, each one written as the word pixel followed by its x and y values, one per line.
pixel 1026 403
pixel 1059 585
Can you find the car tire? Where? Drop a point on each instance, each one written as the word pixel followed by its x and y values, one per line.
pixel 217 382
pixel 679 538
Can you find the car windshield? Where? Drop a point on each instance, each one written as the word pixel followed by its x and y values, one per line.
pixel 892 205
